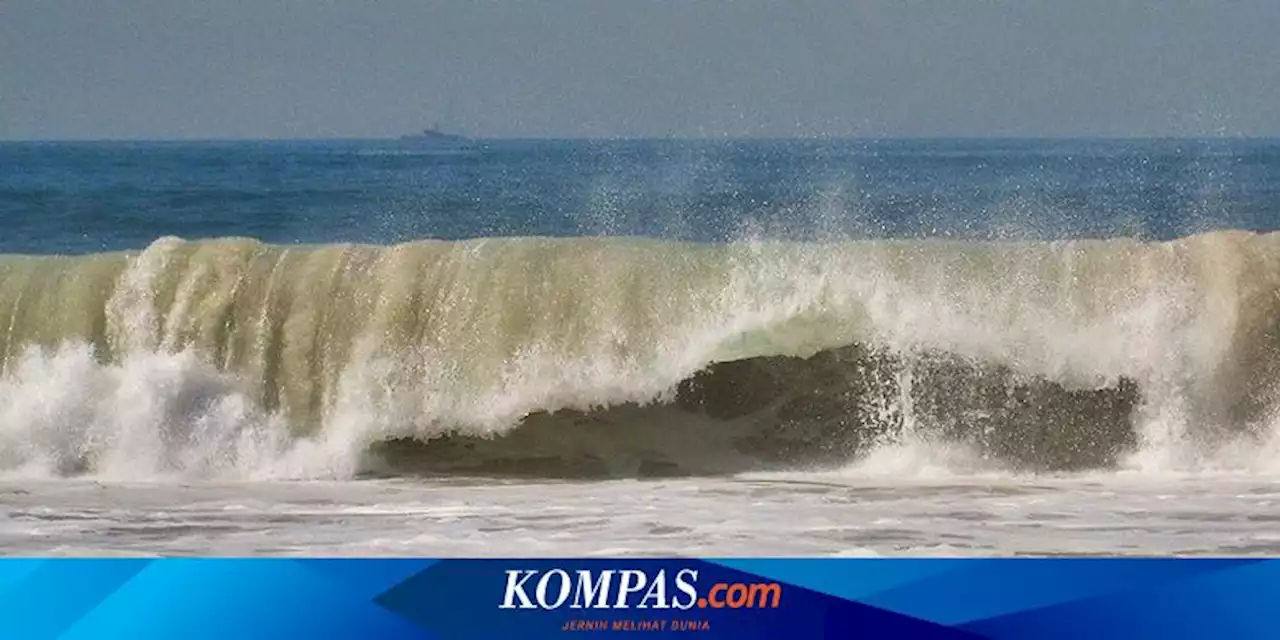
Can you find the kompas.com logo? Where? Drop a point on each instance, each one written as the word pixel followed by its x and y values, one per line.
pixel 631 589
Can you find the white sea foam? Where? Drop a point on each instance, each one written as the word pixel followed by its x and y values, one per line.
pixel 234 358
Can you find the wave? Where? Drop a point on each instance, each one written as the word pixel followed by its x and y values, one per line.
pixel 628 356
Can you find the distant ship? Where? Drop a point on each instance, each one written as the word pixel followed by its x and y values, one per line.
pixel 434 138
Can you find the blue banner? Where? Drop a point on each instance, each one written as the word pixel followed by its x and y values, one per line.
pixel 726 598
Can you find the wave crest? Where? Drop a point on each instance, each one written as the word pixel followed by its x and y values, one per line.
pixel 607 356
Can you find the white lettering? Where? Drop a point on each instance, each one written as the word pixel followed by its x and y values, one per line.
pixel 657 591
pixel 515 589
pixel 686 587
pixel 541 592
pixel 633 581
pixel 587 590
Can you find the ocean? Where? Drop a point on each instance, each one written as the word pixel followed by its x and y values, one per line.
pixel 526 347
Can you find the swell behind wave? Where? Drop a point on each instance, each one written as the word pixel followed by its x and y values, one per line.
pixel 591 357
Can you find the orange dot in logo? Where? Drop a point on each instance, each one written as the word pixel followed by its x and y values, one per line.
pixel 702 603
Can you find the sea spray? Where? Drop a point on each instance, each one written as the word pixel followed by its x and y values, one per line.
pixel 625 356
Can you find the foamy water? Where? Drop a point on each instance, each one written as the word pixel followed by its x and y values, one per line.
pixel 237 360
pixel 793 515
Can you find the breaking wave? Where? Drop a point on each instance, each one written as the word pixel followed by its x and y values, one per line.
pixel 623 356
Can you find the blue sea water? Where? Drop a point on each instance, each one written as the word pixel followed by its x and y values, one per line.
pixel 87 197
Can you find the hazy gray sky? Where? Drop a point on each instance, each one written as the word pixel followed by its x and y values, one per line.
pixel 358 68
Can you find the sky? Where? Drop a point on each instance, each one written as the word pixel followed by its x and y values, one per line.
pixel 181 69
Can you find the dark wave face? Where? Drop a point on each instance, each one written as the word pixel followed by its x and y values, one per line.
pixel 780 413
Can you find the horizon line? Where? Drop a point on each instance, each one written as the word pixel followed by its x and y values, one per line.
pixel 798 138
